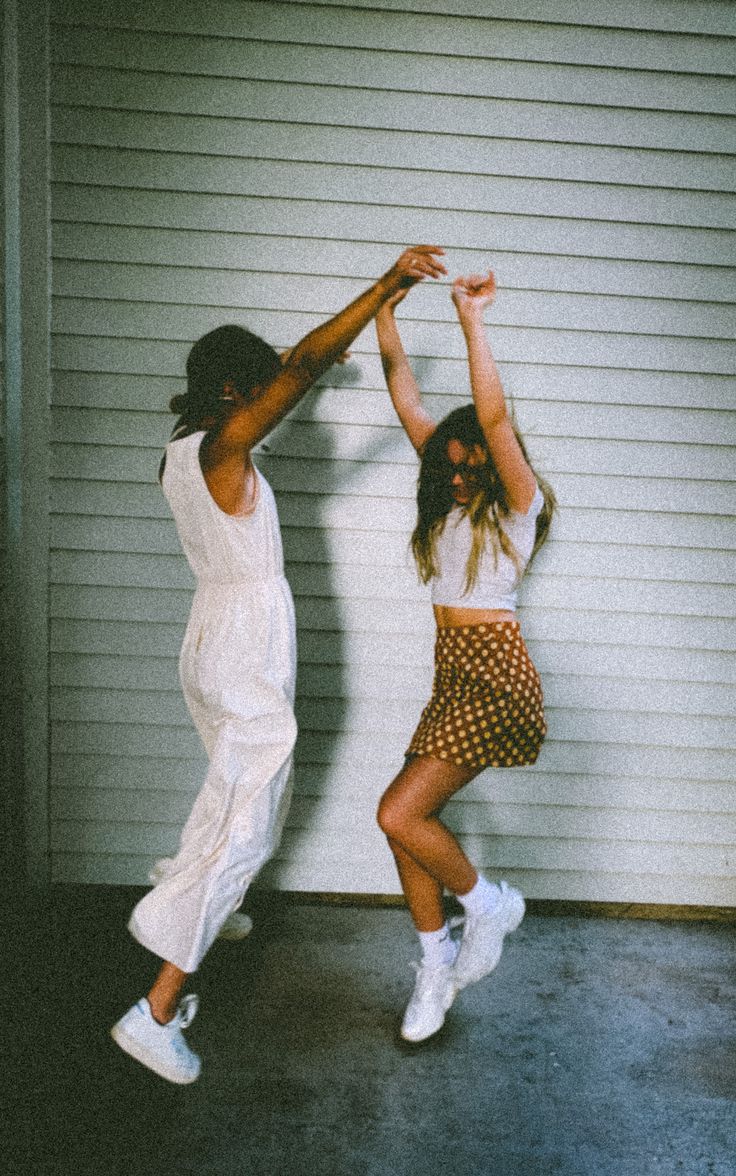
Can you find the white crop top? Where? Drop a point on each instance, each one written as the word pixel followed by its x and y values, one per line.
pixel 497 583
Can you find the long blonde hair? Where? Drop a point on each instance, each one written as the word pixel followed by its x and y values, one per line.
pixel 488 507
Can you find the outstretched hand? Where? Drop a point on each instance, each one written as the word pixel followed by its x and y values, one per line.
pixel 474 293
pixel 415 264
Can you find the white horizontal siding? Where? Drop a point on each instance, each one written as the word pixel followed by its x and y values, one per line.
pixel 451 114
pixel 460 230
pixel 263 170
pixel 706 16
pixel 646 42
pixel 115 291
pixel 428 152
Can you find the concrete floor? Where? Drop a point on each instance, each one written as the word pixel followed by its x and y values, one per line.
pixel 597 1048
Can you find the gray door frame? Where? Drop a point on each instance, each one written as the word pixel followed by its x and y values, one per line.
pixel 27 409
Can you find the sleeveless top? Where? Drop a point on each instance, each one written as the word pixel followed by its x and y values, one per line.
pixel 498 580
pixel 221 548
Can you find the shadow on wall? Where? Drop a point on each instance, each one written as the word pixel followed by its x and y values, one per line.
pixel 323 690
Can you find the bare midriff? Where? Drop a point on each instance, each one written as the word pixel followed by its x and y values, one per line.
pixel 447 616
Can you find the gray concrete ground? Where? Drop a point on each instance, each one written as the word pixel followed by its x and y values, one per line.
pixel 597 1048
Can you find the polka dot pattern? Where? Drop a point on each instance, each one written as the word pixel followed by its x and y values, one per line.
pixel 486 709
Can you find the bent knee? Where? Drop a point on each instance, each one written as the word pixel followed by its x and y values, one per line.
pixel 391 817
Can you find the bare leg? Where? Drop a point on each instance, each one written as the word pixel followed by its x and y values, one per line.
pixel 164 995
pixel 423 893
pixel 429 856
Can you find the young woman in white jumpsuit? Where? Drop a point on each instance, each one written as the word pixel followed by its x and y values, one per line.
pixel 238 660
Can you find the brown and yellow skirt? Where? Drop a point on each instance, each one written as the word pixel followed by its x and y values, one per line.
pixel 486 709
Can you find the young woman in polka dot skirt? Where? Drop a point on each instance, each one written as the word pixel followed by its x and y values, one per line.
pixel 482 514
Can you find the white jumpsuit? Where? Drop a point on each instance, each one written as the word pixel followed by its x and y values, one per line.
pixel 238 669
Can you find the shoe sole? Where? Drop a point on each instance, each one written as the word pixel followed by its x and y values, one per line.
pixel 421 1040
pixel 132 1047
pixel 514 918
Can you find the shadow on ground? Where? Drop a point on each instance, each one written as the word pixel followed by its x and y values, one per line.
pixel 598 1048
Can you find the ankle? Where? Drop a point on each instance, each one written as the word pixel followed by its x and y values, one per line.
pixel 162 1011
pixel 165 993
pixel 437 946
pixel 483 896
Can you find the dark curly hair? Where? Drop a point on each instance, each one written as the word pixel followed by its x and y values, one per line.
pixel 489 505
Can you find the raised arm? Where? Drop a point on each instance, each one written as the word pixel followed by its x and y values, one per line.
pixel 471 296
pixel 317 351
pixel 402 386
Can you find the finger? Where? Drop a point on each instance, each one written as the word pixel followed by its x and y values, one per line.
pixel 424 254
pixel 434 271
pixel 419 270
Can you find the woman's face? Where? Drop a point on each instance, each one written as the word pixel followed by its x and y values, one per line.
pixel 465 463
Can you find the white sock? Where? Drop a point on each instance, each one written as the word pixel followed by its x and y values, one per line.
pixel 483 896
pixel 437 946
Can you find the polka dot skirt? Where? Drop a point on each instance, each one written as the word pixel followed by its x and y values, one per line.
pixel 486 708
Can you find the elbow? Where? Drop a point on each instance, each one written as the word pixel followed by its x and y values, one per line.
pixel 491 419
pixel 304 364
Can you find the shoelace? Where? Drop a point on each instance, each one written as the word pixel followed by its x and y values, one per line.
pixel 187 1011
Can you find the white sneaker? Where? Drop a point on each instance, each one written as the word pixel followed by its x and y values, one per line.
pixel 160 1047
pixel 236 926
pixel 434 992
pixel 482 941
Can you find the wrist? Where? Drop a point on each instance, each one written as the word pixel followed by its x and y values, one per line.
pixel 472 321
pixel 389 283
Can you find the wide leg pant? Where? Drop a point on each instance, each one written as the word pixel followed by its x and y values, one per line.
pixel 238 674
